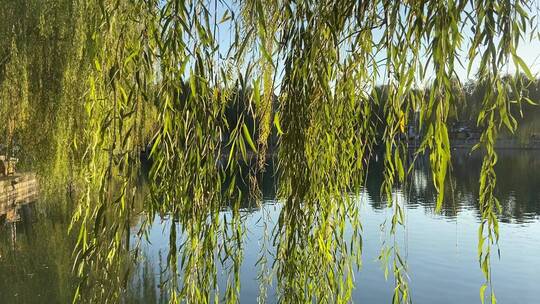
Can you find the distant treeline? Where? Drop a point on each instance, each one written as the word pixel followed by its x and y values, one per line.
pixel 466 105
pixel 526 112
pixel 467 99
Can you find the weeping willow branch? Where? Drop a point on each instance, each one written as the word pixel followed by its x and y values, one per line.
pixel 160 70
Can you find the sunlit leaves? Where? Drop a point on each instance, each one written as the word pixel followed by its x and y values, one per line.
pixel 332 80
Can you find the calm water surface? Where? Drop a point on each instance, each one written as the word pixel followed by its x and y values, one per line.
pixel 440 249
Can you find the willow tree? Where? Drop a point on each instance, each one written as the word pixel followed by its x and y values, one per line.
pixel 44 60
pixel 306 70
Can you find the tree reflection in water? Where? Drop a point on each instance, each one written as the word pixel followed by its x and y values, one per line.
pixel 35 251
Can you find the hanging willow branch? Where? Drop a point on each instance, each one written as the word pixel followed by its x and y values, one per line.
pixel 210 82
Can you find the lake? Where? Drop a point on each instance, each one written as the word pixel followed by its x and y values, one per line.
pixel 440 249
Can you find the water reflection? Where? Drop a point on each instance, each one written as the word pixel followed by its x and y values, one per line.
pixel 440 248
pixel 517 184
pixel 35 255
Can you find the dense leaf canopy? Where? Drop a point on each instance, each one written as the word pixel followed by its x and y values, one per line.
pixel 212 90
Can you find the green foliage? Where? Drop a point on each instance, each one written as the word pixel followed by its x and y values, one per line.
pixel 159 73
